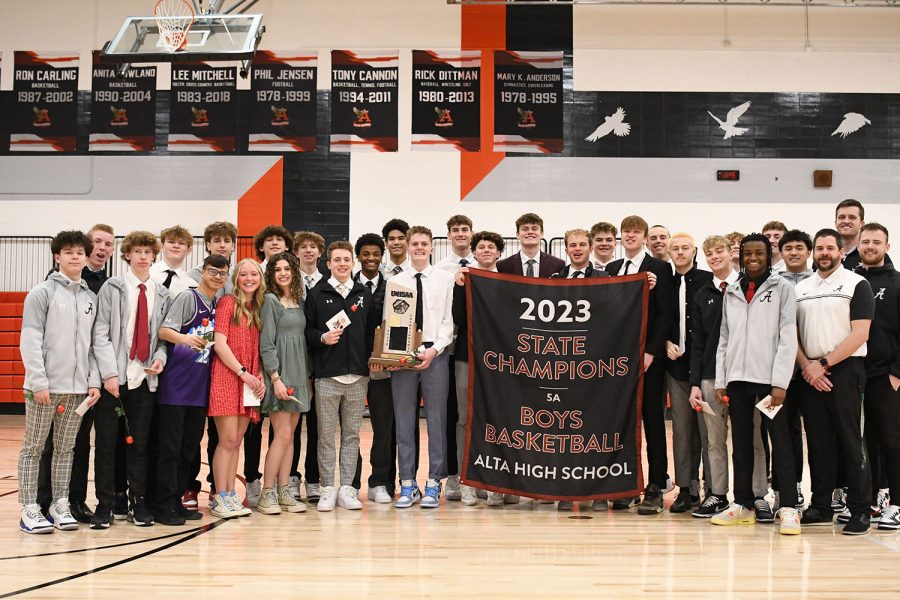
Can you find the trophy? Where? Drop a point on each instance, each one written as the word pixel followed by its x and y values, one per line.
pixel 397 339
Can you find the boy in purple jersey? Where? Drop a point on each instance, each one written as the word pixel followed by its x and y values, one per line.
pixel 183 392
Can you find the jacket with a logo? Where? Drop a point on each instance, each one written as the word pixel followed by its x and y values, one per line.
pixel 758 339
pixel 706 322
pixel 350 356
pixel 56 337
pixel 883 356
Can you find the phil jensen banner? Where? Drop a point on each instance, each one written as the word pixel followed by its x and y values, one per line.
pixel 554 385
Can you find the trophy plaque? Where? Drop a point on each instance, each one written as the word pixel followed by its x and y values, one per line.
pixel 397 339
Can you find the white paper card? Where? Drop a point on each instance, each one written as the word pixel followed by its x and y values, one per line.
pixel 83 407
pixel 707 408
pixel 250 398
pixel 338 321
pixel 763 406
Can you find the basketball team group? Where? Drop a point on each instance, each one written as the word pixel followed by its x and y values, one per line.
pixel 150 360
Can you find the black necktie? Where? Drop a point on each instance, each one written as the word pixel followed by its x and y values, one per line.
pixel 577 274
pixel 463 262
pixel 529 272
pixel 627 265
pixel 396 270
pixel 419 305
pixel 169 277
pixel 369 286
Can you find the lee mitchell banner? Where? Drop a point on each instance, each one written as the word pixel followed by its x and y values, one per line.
pixel 364 100
pixel 203 110
pixel 45 103
pixel 283 111
pixel 528 101
pixel 555 375
pixel 123 110
pixel 446 107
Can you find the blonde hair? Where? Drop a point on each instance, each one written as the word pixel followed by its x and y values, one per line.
pixel 572 232
pixel 248 307
pixel 716 241
pixel 685 236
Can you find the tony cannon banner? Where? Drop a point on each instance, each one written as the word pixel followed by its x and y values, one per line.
pixel 528 102
pixel 555 381
pixel 45 106
pixel 364 88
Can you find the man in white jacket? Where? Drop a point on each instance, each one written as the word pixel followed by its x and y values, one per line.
pixel 60 371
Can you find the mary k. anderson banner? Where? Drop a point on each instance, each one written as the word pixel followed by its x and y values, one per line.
pixel 283 111
pixel 364 88
pixel 45 103
pixel 446 106
pixel 528 101
pixel 123 109
pixel 554 385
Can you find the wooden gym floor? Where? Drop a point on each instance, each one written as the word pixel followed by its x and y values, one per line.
pixel 524 550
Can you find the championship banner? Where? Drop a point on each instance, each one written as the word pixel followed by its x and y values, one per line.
pixel 283 110
pixel 528 101
pixel 45 102
pixel 123 110
pixel 446 104
pixel 364 100
pixel 555 381
pixel 203 108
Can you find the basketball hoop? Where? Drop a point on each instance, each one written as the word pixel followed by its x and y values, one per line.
pixel 174 19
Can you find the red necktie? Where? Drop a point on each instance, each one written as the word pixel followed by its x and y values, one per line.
pixel 722 286
pixel 140 343
pixel 751 289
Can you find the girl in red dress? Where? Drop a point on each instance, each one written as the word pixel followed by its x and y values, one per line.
pixel 235 365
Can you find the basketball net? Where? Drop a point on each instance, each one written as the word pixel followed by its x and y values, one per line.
pixel 174 19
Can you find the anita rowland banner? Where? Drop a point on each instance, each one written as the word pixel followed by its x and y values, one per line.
pixel 123 109
pixel 528 101
pixel 446 110
pixel 45 106
pixel 555 379
pixel 364 100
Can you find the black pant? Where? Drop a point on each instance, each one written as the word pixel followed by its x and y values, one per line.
pixel 212 440
pixel 139 404
pixel 181 430
pixel 792 401
pixel 654 416
pixel 452 418
pixel 836 416
pixel 383 456
pixel 743 398
pixel 882 405
pixel 252 451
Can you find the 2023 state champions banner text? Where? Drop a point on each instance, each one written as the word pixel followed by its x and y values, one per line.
pixel 555 381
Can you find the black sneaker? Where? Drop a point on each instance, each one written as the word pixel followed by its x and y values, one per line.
pixel 712 506
pixel 103 517
pixel 81 512
pixel 653 501
pixel 763 511
pixel 813 517
pixel 139 514
pixel 169 517
pixel 682 503
pixel 120 508
pixel 626 503
pixel 858 525
pixel 188 514
pixel 839 499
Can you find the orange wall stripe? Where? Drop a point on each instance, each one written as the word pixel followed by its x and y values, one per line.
pixel 261 204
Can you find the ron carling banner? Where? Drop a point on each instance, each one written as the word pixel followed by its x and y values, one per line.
pixel 528 101
pixel 555 378
pixel 364 100
pixel 123 109
pixel 283 110
pixel 45 102
pixel 203 108
pixel 446 102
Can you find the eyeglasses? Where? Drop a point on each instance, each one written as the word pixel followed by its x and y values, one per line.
pixel 215 273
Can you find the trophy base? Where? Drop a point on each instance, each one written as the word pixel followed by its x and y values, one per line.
pixel 393 359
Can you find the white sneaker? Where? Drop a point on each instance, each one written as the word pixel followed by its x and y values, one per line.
pixel 453 491
pixel 494 499
pixel 294 486
pixel 379 495
pixel 235 506
pixel 790 521
pixel 327 499
pixel 32 520
pixel 288 502
pixel 468 496
pixel 348 498
pixel 735 514
pixel 220 507
pixel 313 492
pixel 268 502
pixel 254 491
pixel 61 517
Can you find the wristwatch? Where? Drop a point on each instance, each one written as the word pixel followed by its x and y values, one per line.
pixel 824 362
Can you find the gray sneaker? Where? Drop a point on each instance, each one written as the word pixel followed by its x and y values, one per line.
pixel 254 491
pixel 313 491
pixel 267 503
pixel 288 502
pixel 453 491
pixel 600 506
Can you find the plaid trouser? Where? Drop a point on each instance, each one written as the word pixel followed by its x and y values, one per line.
pixel 344 401
pixel 38 418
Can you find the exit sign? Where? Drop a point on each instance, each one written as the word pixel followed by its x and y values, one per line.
pixel 728 175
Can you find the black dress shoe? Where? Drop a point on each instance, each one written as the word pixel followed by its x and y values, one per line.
pixel 81 512
pixel 683 503
pixel 169 517
pixel 188 514
pixel 103 517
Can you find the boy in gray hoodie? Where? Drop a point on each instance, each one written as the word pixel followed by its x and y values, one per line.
pixel 130 356
pixel 60 371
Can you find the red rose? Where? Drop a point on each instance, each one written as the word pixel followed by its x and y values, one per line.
pixel 404 360
pixel 290 391
pixel 698 408
pixel 129 439
pixel 726 400
pixel 60 408
pixel 205 322
pixel 354 308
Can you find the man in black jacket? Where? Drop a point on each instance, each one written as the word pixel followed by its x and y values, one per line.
pixel 530 261
pixel 687 447
pixel 578 249
pixel 882 398
pixel 659 323
pixel 341 352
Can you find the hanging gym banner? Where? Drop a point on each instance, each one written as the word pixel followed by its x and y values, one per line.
pixel 283 110
pixel 203 108
pixel 45 102
pixel 123 110
pixel 364 100
pixel 446 106
pixel 528 102
pixel 555 378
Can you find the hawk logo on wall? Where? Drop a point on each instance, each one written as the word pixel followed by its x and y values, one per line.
pixel 41 117
pixel 443 117
pixel 201 117
pixel 280 117
pixel 526 118
pixel 614 123
pixel 119 117
pixel 852 123
pixel 362 117
pixel 729 126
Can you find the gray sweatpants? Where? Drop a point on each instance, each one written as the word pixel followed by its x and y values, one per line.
pixel 688 444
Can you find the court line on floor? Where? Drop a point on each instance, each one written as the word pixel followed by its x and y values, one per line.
pixel 201 531
pixel 875 540
pixel 8 493
pixel 119 545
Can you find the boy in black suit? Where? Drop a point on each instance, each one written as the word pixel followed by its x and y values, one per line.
pixel 530 261
pixel 578 249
